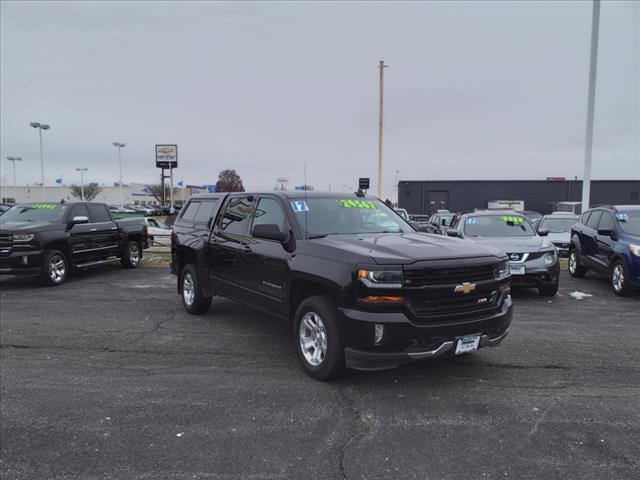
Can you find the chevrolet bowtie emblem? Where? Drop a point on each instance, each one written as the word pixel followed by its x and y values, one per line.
pixel 466 287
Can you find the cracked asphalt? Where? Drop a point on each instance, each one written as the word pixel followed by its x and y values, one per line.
pixel 106 377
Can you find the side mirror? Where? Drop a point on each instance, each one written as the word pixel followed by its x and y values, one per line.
pixel 452 233
pixel 605 232
pixel 543 232
pixel 79 219
pixel 270 231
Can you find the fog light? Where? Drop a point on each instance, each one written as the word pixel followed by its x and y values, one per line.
pixel 25 260
pixel 378 333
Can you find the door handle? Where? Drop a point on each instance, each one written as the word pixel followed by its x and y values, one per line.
pixel 246 249
pixel 94 230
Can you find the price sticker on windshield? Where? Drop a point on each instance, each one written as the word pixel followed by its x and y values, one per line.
pixel 511 219
pixel 43 206
pixel 350 203
pixel 300 206
pixel 623 217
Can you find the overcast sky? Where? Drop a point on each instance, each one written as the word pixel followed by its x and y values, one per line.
pixel 474 90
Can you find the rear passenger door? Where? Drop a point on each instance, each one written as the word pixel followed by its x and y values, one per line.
pixel 588 237
pixel 604 243
pixel 104 231
pixel 263 263
pixel 230 235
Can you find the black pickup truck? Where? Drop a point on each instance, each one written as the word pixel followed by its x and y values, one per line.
pixel 47 239
pixel 360 287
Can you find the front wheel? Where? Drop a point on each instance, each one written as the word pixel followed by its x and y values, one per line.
pixel 550 290
pixel 131 255
pixel 576 270
pixel 620 279
pixel 317 338
pixel 54 267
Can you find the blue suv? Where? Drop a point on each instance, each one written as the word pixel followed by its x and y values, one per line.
pixel 607 240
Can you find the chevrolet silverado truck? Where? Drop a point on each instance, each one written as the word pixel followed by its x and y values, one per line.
pixel 48 239
pixel 358 285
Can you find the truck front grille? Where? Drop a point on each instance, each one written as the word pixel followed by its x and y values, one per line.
pixel 444 306
pixel 453 275
pixel 6 242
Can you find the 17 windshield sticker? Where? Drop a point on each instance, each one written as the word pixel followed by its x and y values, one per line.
pixel 299 206
pixel 470 220
pixel 350 203
pixel 623 217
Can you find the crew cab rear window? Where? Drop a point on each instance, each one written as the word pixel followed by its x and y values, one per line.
pixel 99 213
pixel 205 212
pixel 189 213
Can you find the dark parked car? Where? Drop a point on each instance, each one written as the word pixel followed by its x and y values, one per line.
pixel 358 285
pixel 48 239
pixel 533 259
pixel 607 240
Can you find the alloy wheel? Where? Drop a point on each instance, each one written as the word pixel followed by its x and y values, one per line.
pixel 617 278
pixel 57 268
pixel 188 289
pixel 312 335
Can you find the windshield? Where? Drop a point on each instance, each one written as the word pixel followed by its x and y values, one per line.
pixel 37 212
pixel 563 224
pixel 334 216
pixel 629 222
pixel 498 226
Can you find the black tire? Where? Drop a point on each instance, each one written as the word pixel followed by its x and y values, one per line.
pixel 326 334
pixel 576 269
pixel 193 300
pixel 132 255
pixel 151 240
pixel 619 277
pixel 55 267
pixel 550 290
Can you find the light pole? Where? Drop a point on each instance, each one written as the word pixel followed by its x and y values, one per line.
pixel 15 188
pixel 120 146
pixel 82 170
pixel 381 66
pixel 40 127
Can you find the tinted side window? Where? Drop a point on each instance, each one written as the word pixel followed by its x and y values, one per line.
pixel 189 213
pixel 99 213
pixel 606 222
pixel 594 219
pixel 585 218
pixel 205 212
pixel 237 215
pixel 80 211
pixel 269 211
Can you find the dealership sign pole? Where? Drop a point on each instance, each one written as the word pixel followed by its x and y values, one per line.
pixel 167 157
pixel 593 66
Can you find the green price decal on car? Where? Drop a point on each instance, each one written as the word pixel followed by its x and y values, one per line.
pixel 350 203
pixel 511 219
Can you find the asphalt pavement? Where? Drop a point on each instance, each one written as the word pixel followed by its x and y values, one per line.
pixel 106 377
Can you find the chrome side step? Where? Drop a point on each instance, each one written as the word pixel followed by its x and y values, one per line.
pixel 97 262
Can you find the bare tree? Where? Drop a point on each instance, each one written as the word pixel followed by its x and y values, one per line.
pixel 229 181
pixel 91 191
pixel 156 191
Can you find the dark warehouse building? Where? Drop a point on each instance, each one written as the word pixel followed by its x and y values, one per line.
pixel 426 196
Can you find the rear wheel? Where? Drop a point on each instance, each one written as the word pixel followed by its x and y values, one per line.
pixel 193 300
pixel 132 255
pixel 54 267
pixel 620 279
pixel 317 338
pixel 575 268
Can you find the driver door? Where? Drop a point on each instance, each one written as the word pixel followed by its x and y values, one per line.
pixel 80 235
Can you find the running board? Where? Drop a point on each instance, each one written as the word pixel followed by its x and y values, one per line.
pixel 97 262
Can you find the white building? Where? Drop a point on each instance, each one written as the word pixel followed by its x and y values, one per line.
pixel 136 193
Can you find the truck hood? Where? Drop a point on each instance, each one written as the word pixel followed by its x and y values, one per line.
pixel 515 244
pixel 406 248
pixel 30 227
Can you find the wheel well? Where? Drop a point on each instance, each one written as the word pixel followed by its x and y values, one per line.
pixel 59 245
pixel 301 289
pixel 184 257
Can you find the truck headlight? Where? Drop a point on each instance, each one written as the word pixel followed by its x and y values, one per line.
pixel 23 237
pixel 381 278
pixel 635 249
pixel 503 270
pixel 549 259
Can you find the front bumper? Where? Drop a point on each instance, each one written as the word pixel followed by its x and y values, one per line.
pixel 407 342
pixel 21 263
pixel 537 274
